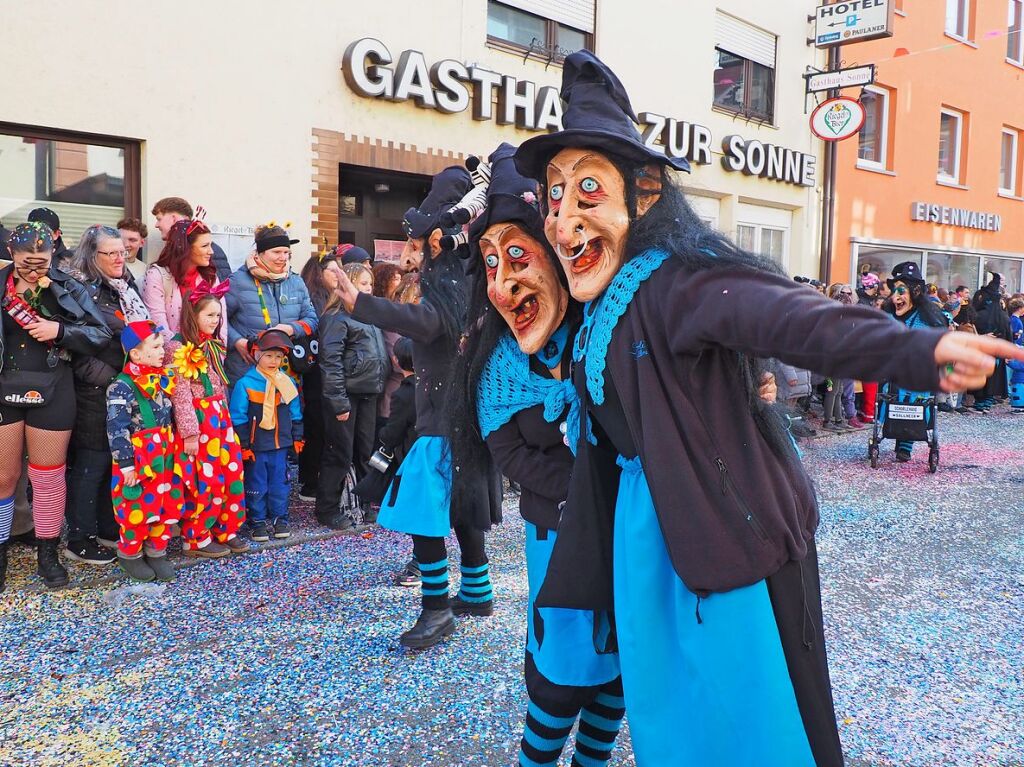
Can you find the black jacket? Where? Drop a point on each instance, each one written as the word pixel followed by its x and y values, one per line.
pixel 83 330
pixel 94 372
pixel 398 434
pixel 732 508
pixel 352 358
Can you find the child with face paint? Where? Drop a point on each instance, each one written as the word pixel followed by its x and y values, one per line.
pixel 267 415
pixel 215 506
pixel 419 500
pixel 703 537
pixel 512 387
pixel 147 475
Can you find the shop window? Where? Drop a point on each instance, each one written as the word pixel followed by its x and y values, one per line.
pixel 950 270
pixel 951 127
pixel 1014 39
pixel 881 260
pixel 958 18
pixel 744 76
pixel 873 148
pixel 1009 183
pixel 540 26
pixel 85 181
pixel 763 240
pixel 1010 268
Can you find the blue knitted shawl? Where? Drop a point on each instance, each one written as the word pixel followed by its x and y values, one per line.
pixel 507 386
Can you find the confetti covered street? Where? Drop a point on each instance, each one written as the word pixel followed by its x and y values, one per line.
pixel 290 656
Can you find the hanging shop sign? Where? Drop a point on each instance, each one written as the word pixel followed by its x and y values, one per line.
pixel 836 119
pixel 451 87
pixel 840 78
pixel 852 22
pixel 961 217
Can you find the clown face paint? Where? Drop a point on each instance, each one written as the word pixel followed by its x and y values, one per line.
pixel 523 285
pixel 149 352
pixel 587 221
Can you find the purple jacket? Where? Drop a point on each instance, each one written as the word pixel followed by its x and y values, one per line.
pixel 732 509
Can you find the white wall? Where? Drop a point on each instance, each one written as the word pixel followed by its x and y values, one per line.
pixel 225 99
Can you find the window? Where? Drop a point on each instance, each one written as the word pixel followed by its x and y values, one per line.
pixel 958 21
pixel 764 240
pixel 1011 270
pixel 744 86
pixel 1014 21
pixel 873 148
pixel 950 142
pixel 85 180
pixel 541 26
pixel 1008 162
pixel 744 76
pixel 881 260
pixel 947 270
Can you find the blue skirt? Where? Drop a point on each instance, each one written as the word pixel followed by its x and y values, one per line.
pixel 417 501
pixel 710 693
pixel 569 651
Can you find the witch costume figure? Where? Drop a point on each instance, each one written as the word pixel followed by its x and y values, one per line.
pixel 701 541
pixel 418 502
pixel 511 388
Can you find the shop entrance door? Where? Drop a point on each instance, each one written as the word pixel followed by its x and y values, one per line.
pixel 371 203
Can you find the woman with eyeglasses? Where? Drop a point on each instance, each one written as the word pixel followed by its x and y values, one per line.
pixel 909 303
pixel 47 315
pixel 100 262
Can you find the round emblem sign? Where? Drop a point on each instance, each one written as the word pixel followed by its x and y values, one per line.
pixel 836 119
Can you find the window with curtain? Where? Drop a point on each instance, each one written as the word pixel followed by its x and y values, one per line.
pixel 958 22
pixel 538 27
pixel 1008 161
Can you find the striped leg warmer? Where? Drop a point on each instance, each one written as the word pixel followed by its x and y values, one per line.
pixel 599 726
pixel 476 584
pixel 6 518
pixel 49 492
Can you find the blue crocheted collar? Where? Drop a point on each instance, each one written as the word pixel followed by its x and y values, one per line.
pixel 601 315
pixel 508 386
pixel 551 353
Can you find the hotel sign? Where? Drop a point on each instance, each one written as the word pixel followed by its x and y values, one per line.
pixel 450 87
pixel 961 217
pixel 855 21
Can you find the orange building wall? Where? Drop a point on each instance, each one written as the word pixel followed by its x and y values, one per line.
pixel 937 71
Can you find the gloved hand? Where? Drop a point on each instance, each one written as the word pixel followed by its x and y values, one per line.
pixel 248 456
pixel 298 445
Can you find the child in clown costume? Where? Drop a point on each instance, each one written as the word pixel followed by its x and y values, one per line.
pixel 215 494
pixel 147 481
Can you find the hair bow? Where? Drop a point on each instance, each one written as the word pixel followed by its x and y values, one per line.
pixel 197 221
pixel 203 289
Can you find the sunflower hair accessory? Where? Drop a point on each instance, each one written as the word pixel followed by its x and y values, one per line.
pixel 190 361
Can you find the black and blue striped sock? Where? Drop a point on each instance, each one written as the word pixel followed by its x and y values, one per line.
pixel 599 726
pixel 434 584
pixel 476 584
pixel 544 737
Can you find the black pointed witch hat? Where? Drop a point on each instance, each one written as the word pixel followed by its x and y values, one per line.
pixel 446 189
pixel 597 114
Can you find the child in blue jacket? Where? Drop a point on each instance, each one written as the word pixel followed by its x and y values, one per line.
pixel 1016 309
pixel 268 420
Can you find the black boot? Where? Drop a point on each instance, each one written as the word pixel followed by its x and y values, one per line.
pixel 50 569
pixel 3 565
pixel 431 627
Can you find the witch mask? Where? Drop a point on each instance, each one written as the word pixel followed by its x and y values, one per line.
pixel 588 219
pixel 522 285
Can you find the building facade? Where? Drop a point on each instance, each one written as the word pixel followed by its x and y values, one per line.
pixel 334 116
pixel 935 174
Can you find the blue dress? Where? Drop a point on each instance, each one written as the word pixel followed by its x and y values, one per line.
pixel 418 499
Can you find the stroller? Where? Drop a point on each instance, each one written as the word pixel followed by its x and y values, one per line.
pixel 904 422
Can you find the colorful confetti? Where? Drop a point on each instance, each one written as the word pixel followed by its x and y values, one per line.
pixel 290 655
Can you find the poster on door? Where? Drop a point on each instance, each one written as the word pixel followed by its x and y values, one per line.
pixel 387 251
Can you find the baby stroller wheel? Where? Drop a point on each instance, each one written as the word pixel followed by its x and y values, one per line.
pixel 933 460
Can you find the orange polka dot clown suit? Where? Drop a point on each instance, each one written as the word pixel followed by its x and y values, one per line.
pixel 142 438
pixel 214 489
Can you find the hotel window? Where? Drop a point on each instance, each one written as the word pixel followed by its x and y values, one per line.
pixel 744 76
pixel 958 18
pixel 1008 181
pixel 951 126
pixel 873 148
pixel 86 180
pixel 553 27
pixel 1014 21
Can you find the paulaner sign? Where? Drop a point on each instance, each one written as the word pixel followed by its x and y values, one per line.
pixel 968 219
pixel 449 86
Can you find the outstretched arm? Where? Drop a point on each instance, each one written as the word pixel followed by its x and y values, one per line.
pixel 420 322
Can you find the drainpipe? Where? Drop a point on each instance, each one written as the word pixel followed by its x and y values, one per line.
pixel 828 199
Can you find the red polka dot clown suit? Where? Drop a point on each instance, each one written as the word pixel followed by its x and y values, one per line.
pixel 214 489
pixel 142 439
